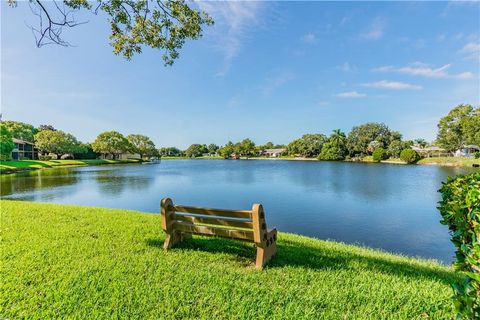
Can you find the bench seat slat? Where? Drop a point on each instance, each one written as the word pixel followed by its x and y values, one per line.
pixel 214 212
pixel 216 221
pixel 245 235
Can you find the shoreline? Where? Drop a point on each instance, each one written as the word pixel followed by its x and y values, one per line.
pixel 433 161
pixel 32 165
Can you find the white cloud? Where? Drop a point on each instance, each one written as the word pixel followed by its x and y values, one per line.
pixel 233 21
pixel 464 75
pixel 309 38
pixel 424 70
pixel 273 83
pixel 376 29
pixel 394 85
pixel 384 69
pixel 351 94
pixel 471 47
pixel 471 50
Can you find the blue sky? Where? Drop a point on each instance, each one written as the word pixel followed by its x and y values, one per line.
pixel 271 71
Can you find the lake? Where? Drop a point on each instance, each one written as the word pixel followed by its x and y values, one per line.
pixel 385 206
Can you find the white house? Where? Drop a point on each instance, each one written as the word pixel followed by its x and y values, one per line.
pixel 431 151
pixel 274 153
pixel 467 151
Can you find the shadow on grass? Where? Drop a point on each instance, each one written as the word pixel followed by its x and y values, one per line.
pixel 300 255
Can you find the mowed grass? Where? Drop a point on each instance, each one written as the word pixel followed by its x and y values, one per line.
pixel 450 161
pixel 62 261
pixel 12 166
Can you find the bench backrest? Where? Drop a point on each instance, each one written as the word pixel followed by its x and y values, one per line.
pixel 246 225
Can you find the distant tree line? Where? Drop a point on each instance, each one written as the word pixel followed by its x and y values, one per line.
pixel 50 141
pixel 460 127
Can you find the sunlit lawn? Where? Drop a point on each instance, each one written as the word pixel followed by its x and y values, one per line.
pixel 38 164
pixel 63 261
pixel 453 161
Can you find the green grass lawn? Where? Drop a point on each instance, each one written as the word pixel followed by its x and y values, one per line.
pixel 63 261
pixel 450 161
pixel 13 166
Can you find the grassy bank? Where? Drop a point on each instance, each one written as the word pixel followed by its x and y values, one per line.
pixel 78 262
pixel 450 161
pixel 22 165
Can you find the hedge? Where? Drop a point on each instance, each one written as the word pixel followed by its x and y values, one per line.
pixel 460 210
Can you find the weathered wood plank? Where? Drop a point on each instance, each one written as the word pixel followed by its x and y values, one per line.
pixel 215 221
pixel 245 235
pixel 165 209
pixel 214 212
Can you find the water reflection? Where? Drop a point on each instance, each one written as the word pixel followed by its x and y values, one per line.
pixel 110 183
pixel 36 180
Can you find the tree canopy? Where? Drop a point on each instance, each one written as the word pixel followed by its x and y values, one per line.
pixel 163 25
pixel 212 148
pixel 142 145
pixel 364 139
pixel 111 142
pixel 196 150
pixel 56 142
pixel 45 127
pixel 246 147
pixel 170 151
pixel 6 143
pixel 309 145
pixel 227 150
pixel 20 130
pixel 335 148
pixel 459 127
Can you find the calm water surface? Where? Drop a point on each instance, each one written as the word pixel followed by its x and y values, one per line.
pixel 391 207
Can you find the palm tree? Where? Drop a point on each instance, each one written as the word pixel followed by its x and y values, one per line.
pixel 338 137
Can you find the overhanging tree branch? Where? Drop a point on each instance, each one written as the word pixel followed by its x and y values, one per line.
pixel 163 25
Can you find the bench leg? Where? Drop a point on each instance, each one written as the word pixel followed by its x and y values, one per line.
pixel 267 249
pixel 174 238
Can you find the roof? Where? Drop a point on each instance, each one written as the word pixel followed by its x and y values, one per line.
pixel 275 150
pixel 15 140
pixel 434 148
pixel 471 146
pixel 431 148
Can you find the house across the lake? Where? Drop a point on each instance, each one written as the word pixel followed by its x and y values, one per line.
pixel 24 150
pixel 467 151
pixel 120 156
pixel 431 151
pixel 274 153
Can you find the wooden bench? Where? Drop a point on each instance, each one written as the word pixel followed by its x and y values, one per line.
pixel 180 222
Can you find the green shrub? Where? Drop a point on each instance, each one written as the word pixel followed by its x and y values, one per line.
pixel 477 155
pixel 460 210
pixel 44 157
pixel 379 154
pixel 332 152
pixel 409 156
